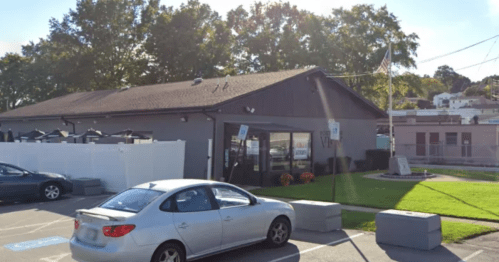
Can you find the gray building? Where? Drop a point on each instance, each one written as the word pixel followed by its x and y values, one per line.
pixel 287 113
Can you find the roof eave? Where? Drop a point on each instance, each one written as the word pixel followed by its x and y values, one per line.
pixel 111 114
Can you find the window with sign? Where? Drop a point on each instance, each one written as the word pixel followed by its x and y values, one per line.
pixel 302 151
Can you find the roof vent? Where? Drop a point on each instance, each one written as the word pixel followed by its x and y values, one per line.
pixel 198 80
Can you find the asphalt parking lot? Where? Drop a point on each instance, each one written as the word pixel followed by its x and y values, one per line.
pixel 48 226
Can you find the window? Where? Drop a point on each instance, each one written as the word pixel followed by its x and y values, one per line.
pixel 451 138
pixel 302 153
pixel 167 205
pixel 193 200
pixel 279 151
pixel 227 197
pixel 10 171
pixel 132 200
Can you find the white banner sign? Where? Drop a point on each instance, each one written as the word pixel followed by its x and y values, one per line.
pixel 334 129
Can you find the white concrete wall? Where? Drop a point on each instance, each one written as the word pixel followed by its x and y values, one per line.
pixel 119 166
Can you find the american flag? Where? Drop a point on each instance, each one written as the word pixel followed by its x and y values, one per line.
pixel 383 68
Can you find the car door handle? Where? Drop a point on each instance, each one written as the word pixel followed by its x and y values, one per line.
pixel 183 225
pixel 228 219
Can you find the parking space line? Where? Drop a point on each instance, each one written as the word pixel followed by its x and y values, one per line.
pixel 32 225
pixel 472 256
pixel 55 258
pixel 317 247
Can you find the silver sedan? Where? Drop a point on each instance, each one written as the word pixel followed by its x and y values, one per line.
pixel 178 220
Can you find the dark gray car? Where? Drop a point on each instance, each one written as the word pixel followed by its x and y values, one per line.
pixel 16 182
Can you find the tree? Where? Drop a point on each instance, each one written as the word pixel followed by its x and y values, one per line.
pixel 13 81
pixel 363 34
pixel 432 87
pixel 190 42
pixel 452 80
pixel 268 37
pixel 101 41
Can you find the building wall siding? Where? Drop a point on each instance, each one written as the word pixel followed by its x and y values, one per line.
pixel 196 132
pixel 301 98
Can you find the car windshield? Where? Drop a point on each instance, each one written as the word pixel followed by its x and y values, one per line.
pixel 132 200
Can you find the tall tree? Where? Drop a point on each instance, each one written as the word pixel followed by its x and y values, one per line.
pixel 102 41
pixel 13 81
pixel 452 80
pixel 363 34
pixel 268 37
pixel 189 42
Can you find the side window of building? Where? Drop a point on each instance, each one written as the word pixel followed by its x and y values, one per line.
pixel 193 200
pixel 451 139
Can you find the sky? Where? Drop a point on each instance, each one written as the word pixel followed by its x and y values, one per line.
pixel 442 26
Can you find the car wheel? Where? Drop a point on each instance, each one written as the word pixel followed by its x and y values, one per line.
pixel 169 252
pixel 51 192
pixel 279 232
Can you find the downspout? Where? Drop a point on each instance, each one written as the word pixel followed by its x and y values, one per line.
pixel 214 144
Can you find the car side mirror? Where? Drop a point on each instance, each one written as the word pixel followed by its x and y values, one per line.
pixel 253 201
pixel 25 173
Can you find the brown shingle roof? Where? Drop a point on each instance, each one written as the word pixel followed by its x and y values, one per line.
pixel 178 95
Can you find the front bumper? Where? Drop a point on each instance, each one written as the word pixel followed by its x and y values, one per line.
pixel 111 253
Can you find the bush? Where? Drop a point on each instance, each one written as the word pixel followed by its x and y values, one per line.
pixel 286 179
pixel 319 169
pixel 307 177
pixel 377 159
pixel 342 164
pixel 360 165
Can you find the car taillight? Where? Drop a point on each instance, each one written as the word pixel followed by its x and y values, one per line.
pixel 117 231
pixel 77 224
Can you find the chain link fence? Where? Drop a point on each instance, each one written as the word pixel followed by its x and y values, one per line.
pixel 475 155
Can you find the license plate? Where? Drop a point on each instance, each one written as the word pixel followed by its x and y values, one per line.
pixel 91 234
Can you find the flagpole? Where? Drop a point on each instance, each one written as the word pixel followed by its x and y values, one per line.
pixel 390 99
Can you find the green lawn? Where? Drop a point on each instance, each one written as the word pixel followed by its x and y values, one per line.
pixel 451 231
pixel 479 175
pixel 459 199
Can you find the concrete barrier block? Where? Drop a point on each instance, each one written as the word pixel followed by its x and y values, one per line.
pixel 86 182
pixel 88 191
pixel 317 216
pixel 408 229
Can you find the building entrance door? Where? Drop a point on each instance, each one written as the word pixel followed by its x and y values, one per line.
pixel 250 163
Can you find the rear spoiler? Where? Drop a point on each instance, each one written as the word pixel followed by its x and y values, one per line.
pixel 90 212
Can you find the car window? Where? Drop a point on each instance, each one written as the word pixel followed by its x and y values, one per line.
pixel 132 200
pixel 167 205
pixel 193 200
pixel 228 197
pixel 10 171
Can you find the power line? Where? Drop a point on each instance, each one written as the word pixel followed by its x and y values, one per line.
pixel 477 64
pixel 488 53
pixel 457 51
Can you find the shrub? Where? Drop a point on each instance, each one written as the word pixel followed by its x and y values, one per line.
pixel 286 179
pixel 307 177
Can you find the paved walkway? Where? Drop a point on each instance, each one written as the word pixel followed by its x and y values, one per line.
pixel 469 168
pixel 376 210
pixel 438 178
